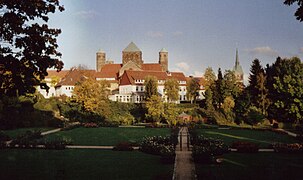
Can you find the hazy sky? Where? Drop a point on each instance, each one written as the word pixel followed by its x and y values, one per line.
pixel 196 33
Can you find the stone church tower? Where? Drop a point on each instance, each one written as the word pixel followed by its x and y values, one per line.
pixel 132 53
pixel 163 59
pixel 100 59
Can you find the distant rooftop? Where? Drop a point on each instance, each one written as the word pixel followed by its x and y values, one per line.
pixel 132 47
pixel 163 50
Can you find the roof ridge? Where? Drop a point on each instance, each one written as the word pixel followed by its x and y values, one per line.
pixel 131 47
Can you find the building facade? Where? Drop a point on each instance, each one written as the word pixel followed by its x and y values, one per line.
pixel 126 79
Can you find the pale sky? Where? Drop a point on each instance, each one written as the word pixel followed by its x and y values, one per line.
pixel 196 33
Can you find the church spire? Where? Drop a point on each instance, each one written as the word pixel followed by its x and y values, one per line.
pixel 238 69
pixel 237 58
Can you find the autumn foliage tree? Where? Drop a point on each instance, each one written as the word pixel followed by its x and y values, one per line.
pixel 151 86
pixel 28 46
pixel 192 90
pixel 92 94
pixel 171 87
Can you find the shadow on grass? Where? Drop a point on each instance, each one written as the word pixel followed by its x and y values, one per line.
pixel 236 137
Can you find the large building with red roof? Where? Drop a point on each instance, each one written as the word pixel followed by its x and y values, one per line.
pixel 126 78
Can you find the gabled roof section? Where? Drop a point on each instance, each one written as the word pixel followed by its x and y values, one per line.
pixel 109 71
pixel 55 73
pixel 129 76
pixel 178 76
pixel 74 76
pixel 151 67
pixel 132 47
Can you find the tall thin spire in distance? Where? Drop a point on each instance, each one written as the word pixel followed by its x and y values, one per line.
pixel 237 58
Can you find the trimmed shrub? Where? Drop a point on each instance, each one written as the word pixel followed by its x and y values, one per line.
pixel 205 150
pixel 245 147
pixel 27 140
pixel 123 146
pixel 288 148
pixel 57 143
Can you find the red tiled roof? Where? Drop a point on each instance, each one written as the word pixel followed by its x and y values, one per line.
pixel 151 67
pixel 74 76
pixel 109 71
pixel 60 74
pixel 129 76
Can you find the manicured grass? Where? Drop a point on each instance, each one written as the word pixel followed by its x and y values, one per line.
pixel 254 166
pixel 104 136
pixel 263 138
pixel 81 164
pixel 16 132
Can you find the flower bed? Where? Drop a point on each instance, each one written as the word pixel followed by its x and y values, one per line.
pixel 28 140
pixel 245 147
pixel 90 125
pixel 206 150
pixel 159 145
pixel 57 143
pixel 288 148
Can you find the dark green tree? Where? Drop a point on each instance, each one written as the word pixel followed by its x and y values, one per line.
pixel 151 86
pixel 28 47
pixel 218 91
pixel 286 91
pixel 299 11
pixel 230 86
pixel 242 104
pixel 257 86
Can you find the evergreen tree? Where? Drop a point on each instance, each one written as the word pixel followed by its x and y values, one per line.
pixel 257 87
pixel 218 91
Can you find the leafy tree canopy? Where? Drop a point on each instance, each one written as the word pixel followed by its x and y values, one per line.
pixel 299 11
pixel 171 87
pixel 192 89
pixel 155 108
pixel 28 47
pixel 209 76
pixel 151 86
pixel 92 94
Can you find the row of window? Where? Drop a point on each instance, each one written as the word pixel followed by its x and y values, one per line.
pixel 69 88
pixel 159 81
pixel 129 98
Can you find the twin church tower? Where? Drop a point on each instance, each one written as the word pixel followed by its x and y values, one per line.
pixel 131 54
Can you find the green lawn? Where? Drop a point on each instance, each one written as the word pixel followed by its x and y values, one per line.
pixel 263 138
pixel 254 166
pixel 14 133
pixel 109 136
pixel 81 164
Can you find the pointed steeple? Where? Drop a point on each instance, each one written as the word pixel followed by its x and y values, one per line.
pixel 237 58
pixel 238 68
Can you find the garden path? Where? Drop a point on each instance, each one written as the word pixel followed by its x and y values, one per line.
pixel 184 165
